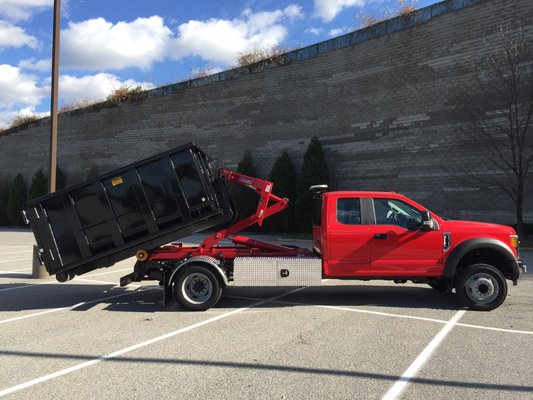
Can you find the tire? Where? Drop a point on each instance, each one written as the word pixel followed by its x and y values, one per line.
pixel 197 288
pixel 481 287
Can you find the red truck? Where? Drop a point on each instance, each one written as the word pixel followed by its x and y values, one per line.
pixel 356 235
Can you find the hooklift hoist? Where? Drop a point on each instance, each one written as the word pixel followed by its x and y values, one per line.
pixel 197 274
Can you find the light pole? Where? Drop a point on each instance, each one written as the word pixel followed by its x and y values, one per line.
pixel 53 107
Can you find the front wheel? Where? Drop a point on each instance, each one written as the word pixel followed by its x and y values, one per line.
pixel 197 288
pixel 481 287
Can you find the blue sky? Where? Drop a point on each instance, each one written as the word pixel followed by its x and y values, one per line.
pixel 108 44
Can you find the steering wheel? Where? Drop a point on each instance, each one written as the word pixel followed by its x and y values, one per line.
pixel 392 215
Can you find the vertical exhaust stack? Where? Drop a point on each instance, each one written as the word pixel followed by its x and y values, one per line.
pixel 318 189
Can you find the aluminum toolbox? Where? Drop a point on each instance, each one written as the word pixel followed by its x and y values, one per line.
pixel 144 205
pixel 277 271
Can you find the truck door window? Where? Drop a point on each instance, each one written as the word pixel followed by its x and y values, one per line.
pixel 349 211
pixel 396 212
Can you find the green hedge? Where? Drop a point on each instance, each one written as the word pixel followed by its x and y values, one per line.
pixel 38 186
pixel 13 195
pixel 17 197
pixel 314 172
pixel 245 199
pixel 4 198
pixel 298 217
pixel 283 175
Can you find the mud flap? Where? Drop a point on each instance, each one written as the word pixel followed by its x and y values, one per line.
pixel 167 289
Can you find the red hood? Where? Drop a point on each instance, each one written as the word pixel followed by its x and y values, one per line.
pixel 478 227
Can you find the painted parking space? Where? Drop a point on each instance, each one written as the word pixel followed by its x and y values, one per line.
pixel 342 340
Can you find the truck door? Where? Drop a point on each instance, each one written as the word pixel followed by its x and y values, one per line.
pixel 398 246
pixel 348 236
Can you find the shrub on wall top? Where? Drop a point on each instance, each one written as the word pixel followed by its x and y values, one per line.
pixel 23 119
pixel 125 94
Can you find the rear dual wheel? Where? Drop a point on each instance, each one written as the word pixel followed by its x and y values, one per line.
pixel 481 287
pixel 197 288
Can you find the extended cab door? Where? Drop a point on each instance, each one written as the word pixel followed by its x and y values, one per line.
pixel 347 237
pixel 398 246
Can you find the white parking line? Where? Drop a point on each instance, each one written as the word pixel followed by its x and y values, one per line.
pixel 440 321
pixel 20 259
pixel 356 310
pixel 27 286
pixel 5 321
pixel 13 271
pixel 16 252
pixel 490 328
pixel 16 270
pixel 134 347
pixel 397 389
pixel 48 282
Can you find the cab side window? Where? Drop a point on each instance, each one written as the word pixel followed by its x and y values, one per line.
pixel 349 211
pixel 396 212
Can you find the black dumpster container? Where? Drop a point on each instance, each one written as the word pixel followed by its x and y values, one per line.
pixel 141 206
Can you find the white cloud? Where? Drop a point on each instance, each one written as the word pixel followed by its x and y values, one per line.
pixel 93 87
pixel 97 44
pixel 15 36
pixel 18 88
pixel 314 31
pixel 221 40
pixel 293 11
pixel 338 31
pixel 21 10
pixel 328 9
pixel 20 93
pixel 33 64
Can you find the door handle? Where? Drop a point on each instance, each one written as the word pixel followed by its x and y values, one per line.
pixel 380 236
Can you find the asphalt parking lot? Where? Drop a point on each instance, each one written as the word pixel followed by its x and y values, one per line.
pixel 89 338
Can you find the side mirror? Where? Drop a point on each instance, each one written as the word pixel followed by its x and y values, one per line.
pixel 427 222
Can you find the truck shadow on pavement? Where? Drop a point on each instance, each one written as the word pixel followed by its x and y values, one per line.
pixel 149 299
pixel 78 297
pixel 349 295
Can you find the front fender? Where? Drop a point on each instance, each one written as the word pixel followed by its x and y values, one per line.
pixel 481 243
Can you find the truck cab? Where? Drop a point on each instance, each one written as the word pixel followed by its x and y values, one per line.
pixel 385 235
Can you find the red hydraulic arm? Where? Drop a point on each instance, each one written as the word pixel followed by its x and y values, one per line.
pixel 260 186
pixel 246 247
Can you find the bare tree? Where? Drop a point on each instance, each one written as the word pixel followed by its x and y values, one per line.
pixel 499 111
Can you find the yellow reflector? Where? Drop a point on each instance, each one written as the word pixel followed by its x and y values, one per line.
pixel 117 181
pixel 514 241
